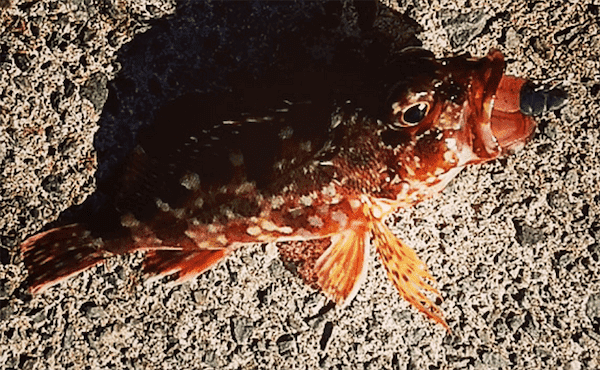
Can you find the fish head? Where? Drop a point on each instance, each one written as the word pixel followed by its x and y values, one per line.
pixel 447 113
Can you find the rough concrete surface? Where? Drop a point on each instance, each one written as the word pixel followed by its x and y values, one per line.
pixel 514 244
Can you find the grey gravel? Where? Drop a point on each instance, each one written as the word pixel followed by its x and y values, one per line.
pixel 513 244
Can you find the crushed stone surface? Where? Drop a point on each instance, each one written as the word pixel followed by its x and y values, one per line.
pixel 514 245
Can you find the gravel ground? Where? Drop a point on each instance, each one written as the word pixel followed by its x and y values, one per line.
pixel 514 244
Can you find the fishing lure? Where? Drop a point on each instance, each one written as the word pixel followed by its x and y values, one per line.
pixel 317 165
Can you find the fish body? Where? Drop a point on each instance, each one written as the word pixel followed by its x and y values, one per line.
pixel 316 165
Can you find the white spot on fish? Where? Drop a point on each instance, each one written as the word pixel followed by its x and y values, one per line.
pixel 306 201
pixel 268 225
pixel 163 206
pixel 286 133
pixel 449 157
pixel 286 230
pixel 295 212
pixel 306 146
pixel 323 210
pixel 376 212
pixel 129 221
pixel 451 144
pixel 246 187
pixel 329 190
pixel 340 217
pixel 253 230
pixel 303 233
pixel 227 212
pixel 179 213
pixel 336 121
pixel 190 181
pixel 277 202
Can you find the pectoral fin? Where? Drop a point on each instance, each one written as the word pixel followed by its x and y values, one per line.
pixel 407 272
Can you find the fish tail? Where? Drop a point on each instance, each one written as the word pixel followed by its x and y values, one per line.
pixel 185 263
pixel 59 253
pixel 56 254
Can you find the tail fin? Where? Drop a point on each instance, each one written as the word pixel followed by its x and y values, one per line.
pixel 58 253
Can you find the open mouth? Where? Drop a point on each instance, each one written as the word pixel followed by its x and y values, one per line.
pixel 510 126
pixel 509 105
pixel 517 102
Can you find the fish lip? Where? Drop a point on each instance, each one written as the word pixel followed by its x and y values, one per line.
pixel 484 86
pixel 485 79
pixel 511 127
pixel 499 124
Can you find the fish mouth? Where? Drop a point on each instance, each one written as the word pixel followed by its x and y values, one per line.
pixel 509 125
pixel 489 133
pixel 509 105
pixel 516 104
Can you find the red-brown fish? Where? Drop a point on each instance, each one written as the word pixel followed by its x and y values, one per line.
pixel 314 166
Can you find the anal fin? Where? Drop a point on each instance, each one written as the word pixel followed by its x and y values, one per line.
pixel 186 263
pixel 407 272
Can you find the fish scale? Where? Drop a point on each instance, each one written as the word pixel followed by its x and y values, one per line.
pixel 328 162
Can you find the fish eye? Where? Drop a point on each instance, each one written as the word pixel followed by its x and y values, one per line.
pixel 410 116
pixel 415 113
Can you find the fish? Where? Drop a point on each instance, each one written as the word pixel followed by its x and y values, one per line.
pixel 320 166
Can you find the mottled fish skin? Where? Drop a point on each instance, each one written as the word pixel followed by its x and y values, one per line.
pixel 313 166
